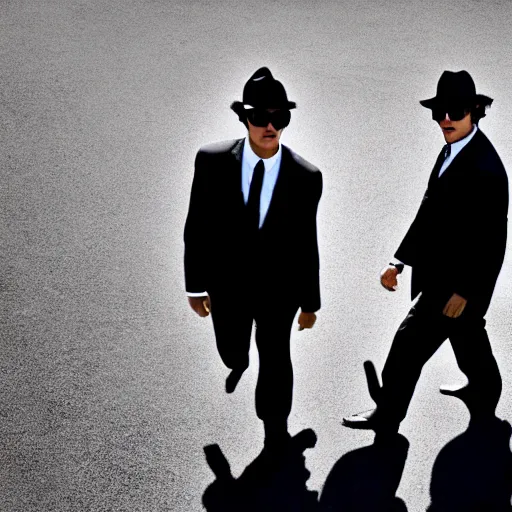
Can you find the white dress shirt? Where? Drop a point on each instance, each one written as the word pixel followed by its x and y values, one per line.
pixel 272 166
pixel 456 148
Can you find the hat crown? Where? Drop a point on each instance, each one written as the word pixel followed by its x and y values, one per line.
pixel 456 85
pixel 264 91
pixel 260 74
pixel 456 88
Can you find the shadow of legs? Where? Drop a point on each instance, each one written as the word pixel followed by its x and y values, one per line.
pixel 473 472
pixel 269 483
pixel 367 479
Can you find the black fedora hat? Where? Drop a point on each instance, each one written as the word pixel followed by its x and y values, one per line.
pixel 262 90
pixel 456 88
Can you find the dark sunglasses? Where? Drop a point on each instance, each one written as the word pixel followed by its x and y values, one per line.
pixel 454 113
pixel 261 117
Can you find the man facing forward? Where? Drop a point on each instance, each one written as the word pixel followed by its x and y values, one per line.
pixel 251 250
pixel 455 247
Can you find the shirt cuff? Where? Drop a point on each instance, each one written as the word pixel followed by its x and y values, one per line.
pixel 197 294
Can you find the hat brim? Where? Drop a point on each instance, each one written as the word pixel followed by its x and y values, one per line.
pixel 239 108
pixel 478 99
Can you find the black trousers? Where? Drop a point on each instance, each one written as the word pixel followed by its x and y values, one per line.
pixel 233 319
pixel 419 336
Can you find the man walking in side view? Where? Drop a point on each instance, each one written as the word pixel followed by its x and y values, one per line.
pixel 251 251
pixel 456 247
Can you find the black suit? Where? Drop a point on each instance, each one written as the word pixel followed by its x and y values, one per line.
pixel 266 277
pixel 456 244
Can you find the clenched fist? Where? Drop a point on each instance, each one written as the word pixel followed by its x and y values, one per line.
pixel 306 320
pixel 455 306
pixel 201 305
pixel 388 278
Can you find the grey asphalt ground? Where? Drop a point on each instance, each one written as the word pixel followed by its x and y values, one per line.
pixel 109 385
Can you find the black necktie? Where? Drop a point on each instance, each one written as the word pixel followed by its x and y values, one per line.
pixel 447 149
pixel 253 203
pixel 443 155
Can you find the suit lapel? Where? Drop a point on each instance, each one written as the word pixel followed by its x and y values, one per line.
pixel 434 175
pixel 458 163
pixel 237 150
pixel 235 179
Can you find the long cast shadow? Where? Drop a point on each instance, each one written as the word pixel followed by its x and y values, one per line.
pixel 270 483
pixel 367 479
pixel 473 472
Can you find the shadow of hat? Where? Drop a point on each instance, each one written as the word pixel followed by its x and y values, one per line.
pixel 456 88
pixel 262 90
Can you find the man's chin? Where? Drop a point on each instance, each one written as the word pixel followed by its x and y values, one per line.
pixel 450 136
pixel 269 143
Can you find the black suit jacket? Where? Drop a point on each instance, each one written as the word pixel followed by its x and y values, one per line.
pixel 222 259
pixel 457 241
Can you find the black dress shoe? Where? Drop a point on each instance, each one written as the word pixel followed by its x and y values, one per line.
pixel 480 409
pixel 460 392
pixel 370 420
pixel 234 378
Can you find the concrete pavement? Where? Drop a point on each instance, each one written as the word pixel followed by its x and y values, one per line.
pixel 109 386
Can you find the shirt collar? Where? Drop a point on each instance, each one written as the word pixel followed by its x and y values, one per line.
pixel 457 146
pixel 251 158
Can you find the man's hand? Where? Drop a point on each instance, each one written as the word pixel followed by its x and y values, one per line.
pixel 455 306
pixel 388 278
pixel 201 305
pixel 306 320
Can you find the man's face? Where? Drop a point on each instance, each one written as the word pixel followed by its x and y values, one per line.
pixel 264 138
pixel 456 130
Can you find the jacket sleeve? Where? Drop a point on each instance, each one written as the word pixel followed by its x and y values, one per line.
pixel 479 254
pixel 409 246
pixel 310 296
pixel 196 230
